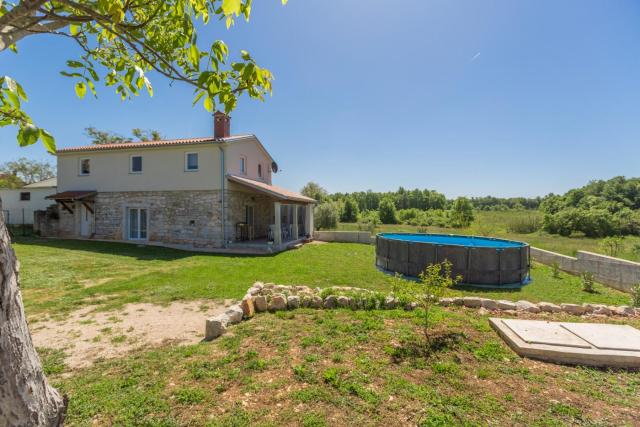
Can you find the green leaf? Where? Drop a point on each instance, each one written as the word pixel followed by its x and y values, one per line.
pixel 48 141
pixel 74 29
pixel 75 64
pixel 147 84
pixel 194 55
pixel 93 73
pixel 13 98
pixel 81 89
pixel 198 96
pixel 92 87
pixel 230 7
pixel 28 135
pixel 208 104
pixel 11 84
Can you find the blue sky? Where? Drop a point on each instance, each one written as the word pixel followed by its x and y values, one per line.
pixel 466 97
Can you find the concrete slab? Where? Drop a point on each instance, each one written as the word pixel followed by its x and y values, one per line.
pixel 572 343
pixel 540 332
pixel 603 336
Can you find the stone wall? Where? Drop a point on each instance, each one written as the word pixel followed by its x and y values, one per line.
pixel 344 236
pixel 175 217
pixel 565 263
pixel 263 212
pixel 614 272
pixel 54 222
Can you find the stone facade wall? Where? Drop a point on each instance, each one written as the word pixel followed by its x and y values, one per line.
pixel 263 212
pixel 174 217
pixel 54 222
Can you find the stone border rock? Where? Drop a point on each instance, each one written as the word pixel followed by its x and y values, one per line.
pixel 271 297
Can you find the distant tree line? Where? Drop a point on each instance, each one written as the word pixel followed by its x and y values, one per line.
pixel 599 209
pixel 415 207
pixel 16 174
pixel 490 203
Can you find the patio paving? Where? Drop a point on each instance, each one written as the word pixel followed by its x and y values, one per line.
pixel 592 344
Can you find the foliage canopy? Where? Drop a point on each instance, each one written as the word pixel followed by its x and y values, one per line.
pixel 122 42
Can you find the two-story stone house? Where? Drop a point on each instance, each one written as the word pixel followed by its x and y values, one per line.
pixel 211 192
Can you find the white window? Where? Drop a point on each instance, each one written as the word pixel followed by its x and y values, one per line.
pixel 260 171
pixel 135 164
pixel 85 166
pixel 137 224
pixel 243 165
pixel 191 162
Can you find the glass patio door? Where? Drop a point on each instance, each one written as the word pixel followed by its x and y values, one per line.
pixel 137 224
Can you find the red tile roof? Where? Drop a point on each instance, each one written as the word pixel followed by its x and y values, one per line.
pixel 271 190
pixel 151 144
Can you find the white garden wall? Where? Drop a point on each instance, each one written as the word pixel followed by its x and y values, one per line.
pixel 614 272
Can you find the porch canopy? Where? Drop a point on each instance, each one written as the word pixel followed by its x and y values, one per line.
pixel 271 190
pixel 282 197
pixel 67 199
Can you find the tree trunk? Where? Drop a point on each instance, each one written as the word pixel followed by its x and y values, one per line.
pixel 26 398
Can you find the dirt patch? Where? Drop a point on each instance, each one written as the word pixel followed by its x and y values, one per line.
pixel 87 335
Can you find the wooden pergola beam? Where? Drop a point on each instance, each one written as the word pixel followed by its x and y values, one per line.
pixel 65 207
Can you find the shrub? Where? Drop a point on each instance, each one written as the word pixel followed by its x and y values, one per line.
pixel 461 213
pixel 387 211
pixel 587 282
pixel 485 229
pixel 635 295
pixel 326 216
pixel 612 245
pixel 434 282
pixel 524 224
pixel 368 221
pixel 555 270
pixel 349 211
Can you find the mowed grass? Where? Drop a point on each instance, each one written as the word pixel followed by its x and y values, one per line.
pixel 496 224
pixel 340 367
pixel 58 276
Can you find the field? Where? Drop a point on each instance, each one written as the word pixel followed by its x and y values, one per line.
pixel 316 368
pixel 302 368
pixel 59 276
pixel 496 224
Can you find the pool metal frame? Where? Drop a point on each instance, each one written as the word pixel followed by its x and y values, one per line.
pixel 482 266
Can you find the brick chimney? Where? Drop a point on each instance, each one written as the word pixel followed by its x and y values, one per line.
pixel 221 125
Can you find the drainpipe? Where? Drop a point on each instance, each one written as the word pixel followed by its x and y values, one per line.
pixel 222 198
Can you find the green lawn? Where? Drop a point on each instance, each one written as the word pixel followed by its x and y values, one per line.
pixel 496 224
pixel 338 367
pixel 62 275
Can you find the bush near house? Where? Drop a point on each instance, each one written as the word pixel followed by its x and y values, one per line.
pixel 326 215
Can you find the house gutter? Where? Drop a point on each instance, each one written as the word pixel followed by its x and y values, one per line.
pixel 222 198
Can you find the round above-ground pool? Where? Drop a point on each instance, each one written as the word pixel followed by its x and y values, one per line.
pixel 479 260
